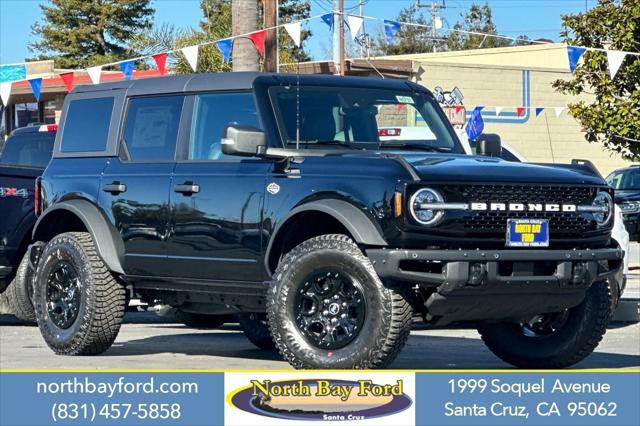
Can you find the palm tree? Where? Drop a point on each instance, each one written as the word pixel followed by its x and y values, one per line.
pixel 245 20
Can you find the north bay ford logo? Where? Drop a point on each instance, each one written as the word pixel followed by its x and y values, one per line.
pixel 522 207
pixel 320 399
pixel 273 188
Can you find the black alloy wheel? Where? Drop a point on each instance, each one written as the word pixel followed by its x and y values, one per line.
pixel 63 294
pixel 330 309
pixel 545 325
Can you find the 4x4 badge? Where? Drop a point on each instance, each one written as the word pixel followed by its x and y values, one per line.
pixel 273 188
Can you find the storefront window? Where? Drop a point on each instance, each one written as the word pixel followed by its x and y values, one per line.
pixel 26 113
pixel 50 112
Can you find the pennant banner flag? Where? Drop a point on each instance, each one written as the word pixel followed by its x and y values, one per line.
pixel 615 59
pixel 390 29
pixel 355 23
pixel 475 126
pixel 5 92
pixel 191 54
pixel 161 62
pixel 258 39
pixel 12 72
pixel 36 85
pixel 558 111
pixel 67 79
pixel 520 111
pixel 539 111
pixel 479 108
pixel 294 30
pixel 459 108
pixel 127 69
pixel 95 74
pixel 574 56
pixel 400 107
pixel 328 19
pixel 225 46
pixel 499 110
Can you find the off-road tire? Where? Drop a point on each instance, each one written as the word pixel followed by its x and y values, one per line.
pixel 256 329
pixel 583 330
pixel 102 298
pixel 203 321
pixel 20 293
pixel 388 314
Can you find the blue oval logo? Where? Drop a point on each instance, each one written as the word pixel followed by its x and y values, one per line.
pixel 320 399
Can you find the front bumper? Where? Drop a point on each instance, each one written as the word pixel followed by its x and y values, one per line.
pixel 472 285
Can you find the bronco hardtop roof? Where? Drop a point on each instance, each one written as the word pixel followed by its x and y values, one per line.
pixel 238 81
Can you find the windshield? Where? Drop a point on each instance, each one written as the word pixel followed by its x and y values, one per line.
pixel 361 118
pixel 28 149
pixel 625 180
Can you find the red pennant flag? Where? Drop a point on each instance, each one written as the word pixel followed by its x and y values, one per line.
pixel 400 107
pixel 459 108
pixel 258 40
pixel 520 111
pixel 67 79
pixel 161 62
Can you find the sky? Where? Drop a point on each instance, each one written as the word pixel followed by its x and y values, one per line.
pixel 535 18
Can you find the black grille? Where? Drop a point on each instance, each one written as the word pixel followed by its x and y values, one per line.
pixel 561 224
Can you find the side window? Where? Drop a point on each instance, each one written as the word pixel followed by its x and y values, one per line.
pixel 212 113
pixel 86 126
pixel 151 127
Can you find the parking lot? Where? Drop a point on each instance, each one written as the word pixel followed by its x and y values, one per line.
pixel 147 341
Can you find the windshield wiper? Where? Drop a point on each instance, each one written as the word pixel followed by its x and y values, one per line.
pixel 323 142
pixel 414 146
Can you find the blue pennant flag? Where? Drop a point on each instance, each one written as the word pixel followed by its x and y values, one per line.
pixel 328 19
pixel 539 111
pixel 36 85
pixel 225 46
pixel 475 126
pixel 574 56
pixel 127 69
pixel 390 29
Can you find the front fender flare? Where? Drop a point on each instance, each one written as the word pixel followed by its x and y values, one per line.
pixel 107 239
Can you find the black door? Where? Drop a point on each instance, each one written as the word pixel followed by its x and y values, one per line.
pixel 135 187
pixel 216 200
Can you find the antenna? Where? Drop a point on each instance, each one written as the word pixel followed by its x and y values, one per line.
pixel 435 18
pixel 298 106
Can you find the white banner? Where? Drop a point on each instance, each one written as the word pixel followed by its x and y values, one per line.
pixel 294 29
pixel 355 23
pixel 191 54
pixel 5 92
pixel 94 74
pixel 615 59
pixel 558 111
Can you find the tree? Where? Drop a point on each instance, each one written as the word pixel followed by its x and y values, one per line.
pixel 477 20
pixel 245 20
pixel 80 33
pixel 612 116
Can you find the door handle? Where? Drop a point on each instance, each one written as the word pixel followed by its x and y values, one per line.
pixel 187 188
pixel 115 188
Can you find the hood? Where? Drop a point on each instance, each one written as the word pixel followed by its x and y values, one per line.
pixel 627 195
pixel 467 168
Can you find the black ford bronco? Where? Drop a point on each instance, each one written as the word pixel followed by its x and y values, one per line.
pixel 287 199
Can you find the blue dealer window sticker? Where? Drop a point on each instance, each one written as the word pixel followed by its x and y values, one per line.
pixel 527 233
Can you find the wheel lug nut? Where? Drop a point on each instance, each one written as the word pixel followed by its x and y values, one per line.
pixel 343 316
pixel 325 312
pixel 344 304
pixel 335 296
pixel 334 320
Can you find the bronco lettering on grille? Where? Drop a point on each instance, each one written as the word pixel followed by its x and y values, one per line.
pixel 522 207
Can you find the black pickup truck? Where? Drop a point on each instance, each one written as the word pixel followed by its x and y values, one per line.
pixel 24 156
pixel 274 196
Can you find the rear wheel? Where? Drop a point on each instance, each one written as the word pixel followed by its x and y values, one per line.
pixel 327 308
pixel 256 329
pixel 20 293
pixel 78 303
pixel 554 340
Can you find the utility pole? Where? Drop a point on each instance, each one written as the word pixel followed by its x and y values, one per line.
pixel 435 19
pixel 271 41
pixel 244 16
pixel 338 37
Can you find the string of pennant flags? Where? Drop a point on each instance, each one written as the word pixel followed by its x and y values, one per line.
pixel 615 58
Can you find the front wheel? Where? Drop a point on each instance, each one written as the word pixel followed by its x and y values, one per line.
pixel 78 303
pixel 327 308
pixel 554 340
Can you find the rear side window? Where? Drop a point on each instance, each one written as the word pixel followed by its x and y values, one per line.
pixel 151 128
pixel 212 113
pixel 86 127
pixel 32 149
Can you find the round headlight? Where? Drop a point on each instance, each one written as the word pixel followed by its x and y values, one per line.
pixel 423 215
pixel 605 204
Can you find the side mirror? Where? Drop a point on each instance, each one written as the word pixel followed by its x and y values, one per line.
pixel 489 144
pixel 246 141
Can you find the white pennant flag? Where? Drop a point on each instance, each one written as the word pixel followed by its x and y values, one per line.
pixel 499 110
pixel 5 92
pixel 94 74
pixel 355 23
pixel 558 111
pixel 191 53
pixel 294 30
pixel 615 58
